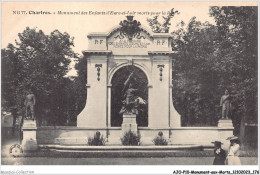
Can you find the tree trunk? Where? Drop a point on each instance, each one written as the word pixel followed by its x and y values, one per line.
pixel 242 130
pixel 14 114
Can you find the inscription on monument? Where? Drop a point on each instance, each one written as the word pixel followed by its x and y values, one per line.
pixel 129 44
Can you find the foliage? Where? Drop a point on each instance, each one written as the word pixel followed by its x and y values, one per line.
pixel 210 58
pixel 237 28
pixel 238 32
pixel 160 140
pixel 130 138
pixel 10 67
pixel 80 84
pixel 97 140
pixel 38 62
pixel 195 79
pixel 158 27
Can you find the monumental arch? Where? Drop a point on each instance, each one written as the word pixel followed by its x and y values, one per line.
pixel 130 52
pixel 121 47
pixel 129 45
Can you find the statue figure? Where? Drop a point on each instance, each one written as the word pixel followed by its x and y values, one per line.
pixel 29 105
pixel 225 103
pixel 130 101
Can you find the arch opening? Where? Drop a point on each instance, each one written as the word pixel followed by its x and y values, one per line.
pixel 119 82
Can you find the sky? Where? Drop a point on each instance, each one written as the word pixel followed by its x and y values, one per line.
pixel 79 26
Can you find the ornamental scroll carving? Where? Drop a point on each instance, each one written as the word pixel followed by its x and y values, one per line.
pixel 130 29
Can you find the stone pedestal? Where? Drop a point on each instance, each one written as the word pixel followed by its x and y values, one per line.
pixel 225 123
pixel 29 142
pixel 129 123
pixel 225 130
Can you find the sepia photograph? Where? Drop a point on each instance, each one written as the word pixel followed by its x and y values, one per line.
pixel 129 83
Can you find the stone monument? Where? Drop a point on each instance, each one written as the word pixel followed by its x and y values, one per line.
pixel 131 103
pixel 129 44
pixel 29 142
pixel 225 104
pixel 29 105
pixel 130 52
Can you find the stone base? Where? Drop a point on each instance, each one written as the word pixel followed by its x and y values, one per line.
pixel 72 140
pixel 225 123
pixel 29 145
pixel 27 124
pixel 129 123
pixel 29 142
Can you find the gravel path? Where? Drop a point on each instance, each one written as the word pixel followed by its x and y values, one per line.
pixel 118 161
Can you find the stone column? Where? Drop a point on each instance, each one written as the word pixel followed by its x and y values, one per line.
pixel 109 105
pixel 149 104
pixel 29 142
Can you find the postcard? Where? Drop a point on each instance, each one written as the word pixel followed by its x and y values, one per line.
pixel 171 84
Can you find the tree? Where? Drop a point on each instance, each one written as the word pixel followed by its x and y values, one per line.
pixel 212 58
pixel 163 27
pixel 9 62
pixel 42 62
pixel 195 78
pixel 10 69
pixel 237 28
pixel 80 83
pixel 76 91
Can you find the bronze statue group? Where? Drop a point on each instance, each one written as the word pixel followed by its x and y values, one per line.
pixel 232 155
pixel 132 103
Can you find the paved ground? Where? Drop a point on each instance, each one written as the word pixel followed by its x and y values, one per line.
pixel 118 161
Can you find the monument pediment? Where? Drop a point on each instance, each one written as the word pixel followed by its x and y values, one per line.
pixel 130 28
pixel 120 43
pixel 129 38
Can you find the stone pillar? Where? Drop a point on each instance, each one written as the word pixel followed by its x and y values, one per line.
pixel 150 88
pixel 109 105
pixel 175 117
pixel 29 142
pixel 159 109
pixel 129 123
pixel 94 115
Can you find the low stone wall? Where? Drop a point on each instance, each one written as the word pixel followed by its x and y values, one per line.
pixel 201 135
pixel 182 135
pixel 55 134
